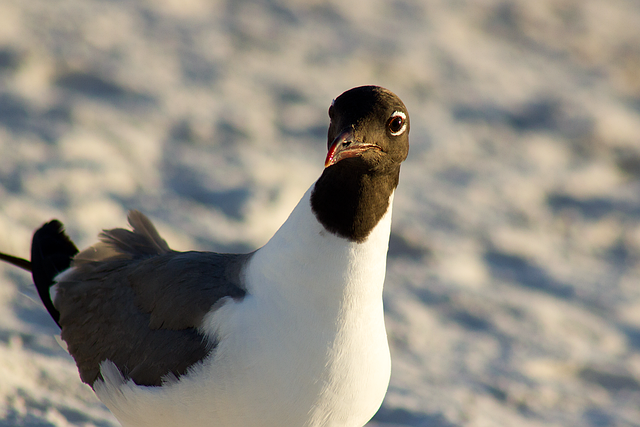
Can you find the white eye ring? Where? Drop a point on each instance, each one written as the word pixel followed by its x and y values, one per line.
pixel 403 116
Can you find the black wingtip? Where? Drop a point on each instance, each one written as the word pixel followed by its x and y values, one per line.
pixel 51 254
pixel 14 260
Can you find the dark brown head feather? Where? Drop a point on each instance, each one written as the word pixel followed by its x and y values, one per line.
pixel 353 194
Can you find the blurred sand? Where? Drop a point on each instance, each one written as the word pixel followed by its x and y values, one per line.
pixel 513 290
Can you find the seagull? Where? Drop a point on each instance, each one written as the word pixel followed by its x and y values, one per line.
pixel 291 334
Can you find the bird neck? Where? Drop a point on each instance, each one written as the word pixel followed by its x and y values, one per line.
pixel 305 262
pixel 349 199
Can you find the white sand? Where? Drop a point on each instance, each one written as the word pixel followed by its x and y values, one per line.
pixel 513 292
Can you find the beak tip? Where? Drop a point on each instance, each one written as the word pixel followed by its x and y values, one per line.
pixel 331 156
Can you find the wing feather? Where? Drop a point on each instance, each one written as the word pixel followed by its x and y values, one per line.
pixel 132 300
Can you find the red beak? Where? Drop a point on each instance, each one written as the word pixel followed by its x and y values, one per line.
pixel 344 146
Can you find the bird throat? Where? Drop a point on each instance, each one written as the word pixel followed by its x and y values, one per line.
pixel 349 199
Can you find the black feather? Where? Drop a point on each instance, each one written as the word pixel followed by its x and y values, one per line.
pixel 18 262
pixel 51 254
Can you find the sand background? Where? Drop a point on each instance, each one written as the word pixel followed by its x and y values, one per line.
pixel 513 286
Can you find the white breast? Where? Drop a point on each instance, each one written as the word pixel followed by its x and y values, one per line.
pixel 306 347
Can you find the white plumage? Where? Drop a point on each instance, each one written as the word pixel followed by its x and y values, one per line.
pixel 306 347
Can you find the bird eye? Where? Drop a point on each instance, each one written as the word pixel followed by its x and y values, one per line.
pixel 397 123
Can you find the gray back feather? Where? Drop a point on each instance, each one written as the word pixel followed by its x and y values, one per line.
pixel 132 300
pixel 143 240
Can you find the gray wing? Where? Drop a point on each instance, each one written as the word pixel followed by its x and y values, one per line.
pixel 132 300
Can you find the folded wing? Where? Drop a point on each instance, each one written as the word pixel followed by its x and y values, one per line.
pixel 132 300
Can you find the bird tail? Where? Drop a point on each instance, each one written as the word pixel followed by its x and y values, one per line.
pixel 51 254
